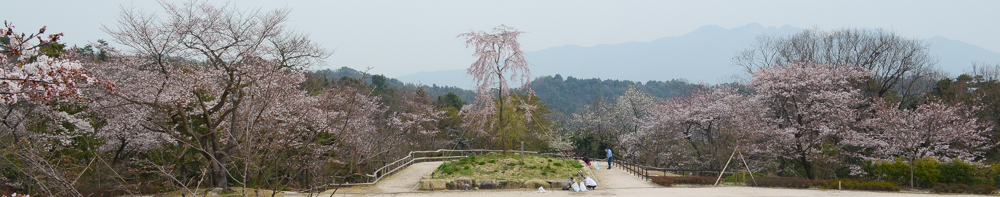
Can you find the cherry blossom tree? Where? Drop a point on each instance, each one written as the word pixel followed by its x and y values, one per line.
pixel 898 66
pixel 193 75
pixel 594 123
pixel 933 129
pixel 499 62
pixel 805 106
pixel 698 130
pixel 631 108
pixel 629 111
pixel 659 141
pixel 623 116
pixel 341 126
pixel 37 82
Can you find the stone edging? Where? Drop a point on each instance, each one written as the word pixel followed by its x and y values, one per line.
pixel 466 183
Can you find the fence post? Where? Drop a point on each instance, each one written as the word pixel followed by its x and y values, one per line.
pixel 522 151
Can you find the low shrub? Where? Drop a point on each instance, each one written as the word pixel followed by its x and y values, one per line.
pixel 928 172
pixel 958 171
pixel 557 164
pixel 992 174
pixel 847 184
pixel 686 180
pixel 925 174
pixel 984 189
pixel 740 176
pixel 660 180
pixel 482 163
pixel 787 182
pixel 492 161
pixel 963 188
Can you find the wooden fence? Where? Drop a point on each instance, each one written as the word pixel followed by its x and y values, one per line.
pixel 645 172
pixel 425 156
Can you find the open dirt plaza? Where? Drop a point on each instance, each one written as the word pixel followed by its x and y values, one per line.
pixel 613 182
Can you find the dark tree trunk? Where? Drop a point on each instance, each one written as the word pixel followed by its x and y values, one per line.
pixel 216 160
pixel 219 179
pixel 808 166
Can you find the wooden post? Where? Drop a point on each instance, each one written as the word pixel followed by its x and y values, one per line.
pixel 727 165
pixel 748 169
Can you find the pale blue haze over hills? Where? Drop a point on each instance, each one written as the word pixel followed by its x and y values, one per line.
pixel 703 55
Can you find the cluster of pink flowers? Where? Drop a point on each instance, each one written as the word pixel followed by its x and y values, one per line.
pixel 28 74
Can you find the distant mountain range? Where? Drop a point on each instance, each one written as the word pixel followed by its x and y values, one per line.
pixel 704 55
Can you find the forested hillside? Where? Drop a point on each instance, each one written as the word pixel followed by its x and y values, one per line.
pixel 432 91
pixel 570 95
pixel 561 95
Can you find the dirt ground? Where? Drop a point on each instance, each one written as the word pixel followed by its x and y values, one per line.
pixel 662 191
pixel 613 182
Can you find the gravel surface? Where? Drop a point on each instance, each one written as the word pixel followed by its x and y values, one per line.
pixel 665 191
pixel 613 182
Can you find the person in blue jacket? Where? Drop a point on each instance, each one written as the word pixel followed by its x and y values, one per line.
pixel 609 156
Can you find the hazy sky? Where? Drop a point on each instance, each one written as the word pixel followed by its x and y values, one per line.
pixel 403 37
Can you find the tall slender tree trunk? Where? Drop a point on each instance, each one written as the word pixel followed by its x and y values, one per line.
pixel 911 172
pixel 504 138
pixel 808 167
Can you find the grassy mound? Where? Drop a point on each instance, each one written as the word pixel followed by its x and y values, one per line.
pixel 508 167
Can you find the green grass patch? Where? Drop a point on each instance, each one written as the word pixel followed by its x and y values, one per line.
pixel 508 167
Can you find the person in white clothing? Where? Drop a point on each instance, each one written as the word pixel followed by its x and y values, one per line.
pixel 591 184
